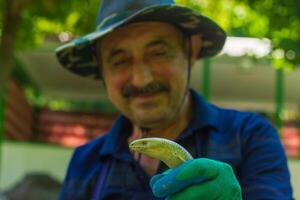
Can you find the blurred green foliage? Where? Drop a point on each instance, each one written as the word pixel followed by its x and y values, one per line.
pixel 51 17
pixel 37 99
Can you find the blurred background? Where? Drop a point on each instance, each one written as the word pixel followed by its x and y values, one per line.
pixel 45 112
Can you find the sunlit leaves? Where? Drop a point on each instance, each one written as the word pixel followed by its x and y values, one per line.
pixel 274 19
pixel 236 17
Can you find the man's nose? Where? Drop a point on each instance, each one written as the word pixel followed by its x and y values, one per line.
pixel 141 74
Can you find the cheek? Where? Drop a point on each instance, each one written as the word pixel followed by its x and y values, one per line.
pixel 167 72
pixel 115 83
pixel 173 72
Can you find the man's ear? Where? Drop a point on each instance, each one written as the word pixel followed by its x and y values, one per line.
pixel 196 44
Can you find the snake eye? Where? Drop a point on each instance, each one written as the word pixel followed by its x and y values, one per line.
pixel 144 142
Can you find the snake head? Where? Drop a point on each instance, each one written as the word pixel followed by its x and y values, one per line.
pixel 145 145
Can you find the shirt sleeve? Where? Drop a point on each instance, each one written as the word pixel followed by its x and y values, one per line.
pixel 264 170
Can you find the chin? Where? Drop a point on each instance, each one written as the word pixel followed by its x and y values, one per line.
pixel 151 122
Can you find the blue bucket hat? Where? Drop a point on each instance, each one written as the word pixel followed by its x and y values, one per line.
pixel 78 56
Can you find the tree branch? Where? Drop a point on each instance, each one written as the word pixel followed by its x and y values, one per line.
pixel 11 22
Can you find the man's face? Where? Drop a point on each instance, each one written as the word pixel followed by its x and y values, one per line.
pixel 145 69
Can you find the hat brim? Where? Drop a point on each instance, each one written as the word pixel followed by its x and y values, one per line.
pixel 78 57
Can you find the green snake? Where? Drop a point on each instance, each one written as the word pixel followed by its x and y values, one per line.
pixel 169 152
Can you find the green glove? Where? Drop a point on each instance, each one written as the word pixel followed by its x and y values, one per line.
pixel 201 179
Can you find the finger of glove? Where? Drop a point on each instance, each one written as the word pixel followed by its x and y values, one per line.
pixel 157 177
pixel 200 167
pixel 208 190
pixel 163 185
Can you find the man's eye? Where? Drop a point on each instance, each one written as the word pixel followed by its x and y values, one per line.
pixel 159 53
pixel 121 62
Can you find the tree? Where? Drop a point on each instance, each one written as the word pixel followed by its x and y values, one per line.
pixel 8 35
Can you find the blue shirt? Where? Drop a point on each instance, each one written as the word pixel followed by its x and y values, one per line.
pixel 244 140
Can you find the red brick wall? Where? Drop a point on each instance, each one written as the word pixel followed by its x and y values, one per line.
pixel 71 128
pixel 18 114
pixel 59 127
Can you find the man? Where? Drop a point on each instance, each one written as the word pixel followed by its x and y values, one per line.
pixel 143 51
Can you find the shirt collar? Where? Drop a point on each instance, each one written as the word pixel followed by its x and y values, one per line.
pixel 204 115
pixel 116 139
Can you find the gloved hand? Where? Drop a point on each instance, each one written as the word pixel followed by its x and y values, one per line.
pixel 201 179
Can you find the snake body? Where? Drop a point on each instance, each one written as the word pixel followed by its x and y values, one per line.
pixel 169 152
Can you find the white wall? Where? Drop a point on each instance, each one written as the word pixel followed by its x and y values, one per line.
pixel 294 166
pixel 20 158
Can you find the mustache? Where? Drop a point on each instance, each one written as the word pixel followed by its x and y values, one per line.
pixel 132 91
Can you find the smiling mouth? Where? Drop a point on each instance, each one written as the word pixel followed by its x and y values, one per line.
pixel 146 97
pixel 149 94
